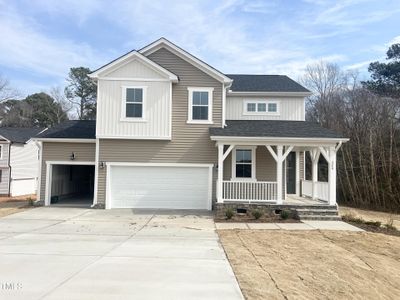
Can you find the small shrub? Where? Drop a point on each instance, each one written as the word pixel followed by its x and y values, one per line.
pixel 229 213
pixel 373 223
pixel 257 213
pixel 351 218
pixel 389 225
pixel 30 201
pixel 285 214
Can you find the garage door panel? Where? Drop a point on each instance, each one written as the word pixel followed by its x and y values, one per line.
pixel 159 187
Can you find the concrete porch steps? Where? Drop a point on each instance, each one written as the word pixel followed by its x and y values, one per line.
pixel 327 213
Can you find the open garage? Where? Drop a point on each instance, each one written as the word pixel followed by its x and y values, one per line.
pixel 71 184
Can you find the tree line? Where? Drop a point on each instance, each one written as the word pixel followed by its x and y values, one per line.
pixel 367 112
pixel 77 100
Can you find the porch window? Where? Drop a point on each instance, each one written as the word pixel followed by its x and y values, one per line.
pixel 200 105
pixel 133 103
pixel 243 164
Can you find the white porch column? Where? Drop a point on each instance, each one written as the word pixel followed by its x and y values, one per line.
pixel 314 158
pixel 220 172
pixel 332 176
pixel 279 165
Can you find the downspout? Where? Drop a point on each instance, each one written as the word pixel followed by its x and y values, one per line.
pixel 9 168
pixel 39 178
pixel 224 88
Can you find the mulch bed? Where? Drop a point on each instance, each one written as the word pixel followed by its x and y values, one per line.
pixel 375 229
pixel 248 219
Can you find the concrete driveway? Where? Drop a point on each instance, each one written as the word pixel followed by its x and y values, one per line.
pixel 73 253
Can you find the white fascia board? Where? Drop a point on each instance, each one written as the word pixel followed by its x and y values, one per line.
pixel 128 137
pixel 60 140
pixel 183 165
pixel 5 139
pixel 289 94
pixel 162 42
pixel 136 55
pixel 244 140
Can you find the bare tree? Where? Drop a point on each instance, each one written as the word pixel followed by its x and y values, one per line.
pixel 6 91
pixel 325 80
pixel 64 107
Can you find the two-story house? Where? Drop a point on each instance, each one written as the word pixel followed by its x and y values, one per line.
pixel 173 132
pixel 19 161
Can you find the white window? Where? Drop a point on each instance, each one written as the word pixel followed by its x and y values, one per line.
pixel 200 105
pixel 1 151
pixel 243 163
pixel 133 103
pixel 261 107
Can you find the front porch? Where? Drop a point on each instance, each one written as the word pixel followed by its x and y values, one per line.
pixel 283 165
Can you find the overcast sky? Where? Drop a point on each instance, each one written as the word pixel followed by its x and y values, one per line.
pixel 40 40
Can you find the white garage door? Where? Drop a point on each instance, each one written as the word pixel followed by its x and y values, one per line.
pixel 170 187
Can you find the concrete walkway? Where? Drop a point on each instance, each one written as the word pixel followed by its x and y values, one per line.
pixel 73 253
pixel 304 225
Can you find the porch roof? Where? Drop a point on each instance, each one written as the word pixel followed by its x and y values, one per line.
pixel 274 129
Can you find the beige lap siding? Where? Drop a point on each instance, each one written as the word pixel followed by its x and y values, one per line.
pixel 190 142
pixel 54 151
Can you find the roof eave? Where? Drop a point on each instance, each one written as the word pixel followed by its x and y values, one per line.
pixel 278 140
pixel 291 94
pixel 65 140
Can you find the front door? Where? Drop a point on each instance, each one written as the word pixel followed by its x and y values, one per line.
pixel 291 173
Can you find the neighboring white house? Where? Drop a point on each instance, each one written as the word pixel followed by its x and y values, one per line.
pixel 19 161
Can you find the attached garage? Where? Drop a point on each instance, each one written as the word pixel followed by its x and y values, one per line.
pixel 159 186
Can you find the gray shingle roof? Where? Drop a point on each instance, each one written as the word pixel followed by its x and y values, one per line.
pixel 73 129
pixel 19 134
pixel 264 83
pixel 272 128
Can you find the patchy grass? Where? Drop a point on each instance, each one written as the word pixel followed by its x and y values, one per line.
pixel 314 264
pixel 373 226
pixel 372 216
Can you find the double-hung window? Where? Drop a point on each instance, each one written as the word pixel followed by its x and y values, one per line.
pixel 260 107
pixel 200 105
pixel 243 163
pixel 133 103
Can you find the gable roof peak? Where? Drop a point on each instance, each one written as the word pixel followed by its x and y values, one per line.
pixel 190 58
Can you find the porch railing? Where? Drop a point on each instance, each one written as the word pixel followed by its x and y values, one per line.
pixel 249 191
pixel 321 189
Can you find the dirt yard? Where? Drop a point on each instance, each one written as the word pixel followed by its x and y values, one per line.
pixel 12 205
pixel 314 264
pixel 370 215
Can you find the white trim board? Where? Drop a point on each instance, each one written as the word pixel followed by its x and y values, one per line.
pixel 49 171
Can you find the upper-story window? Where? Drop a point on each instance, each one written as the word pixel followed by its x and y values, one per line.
pixel 133 101
pixel 200 105
pixel 261 107
pixel 1 151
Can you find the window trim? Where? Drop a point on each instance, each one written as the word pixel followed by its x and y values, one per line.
pixel 190 105
pixel 253 164
pixel 124 118
pixel 266 102
pixel 1 151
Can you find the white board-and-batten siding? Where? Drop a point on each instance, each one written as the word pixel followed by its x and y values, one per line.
pixel 24 159
pixel 156 122
pixel 292 109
